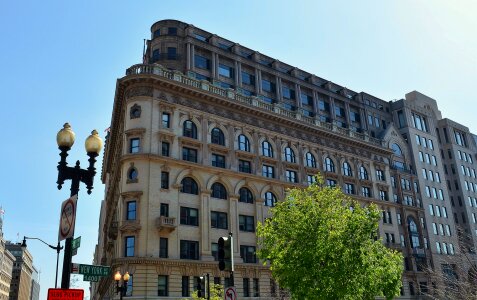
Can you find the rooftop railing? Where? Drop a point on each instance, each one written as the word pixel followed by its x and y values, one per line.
pixel 249 100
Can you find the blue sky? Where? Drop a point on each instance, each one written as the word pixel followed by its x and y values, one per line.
pixel 60 61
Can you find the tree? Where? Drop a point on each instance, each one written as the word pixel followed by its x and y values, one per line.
pixel 216 293
pixel 323 245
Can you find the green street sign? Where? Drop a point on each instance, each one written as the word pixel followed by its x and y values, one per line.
pixel 76 243
pixel 74 252
pixel 93 278
pixel 93 270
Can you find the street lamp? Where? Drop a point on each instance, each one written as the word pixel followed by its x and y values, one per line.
pixel 57 248
pixel 124 287
pixel 93 144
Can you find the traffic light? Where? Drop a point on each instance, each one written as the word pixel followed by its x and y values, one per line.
pixel 201 287
pixel 225 253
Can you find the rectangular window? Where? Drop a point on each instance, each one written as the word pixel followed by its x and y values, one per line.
pixel 218 160
pixel 189 216
pixel 268 171
pixel 248 78
pixel 189 250
pixel 156 33
pixel 380 175
pixel 256 287
pixel 215 251
pixel 165 146
pixel 248 254
pixel 218 220
pixel 383 195
pixel 162 286
pixel 201 62
pixel 401 120
pixel 244 166
pixel 129 246
pixel 134 145
pixel 172 53
pixel 331 182
pixel 339 111
pixel 131 210
pixel 349 188
pixel 129 286
pixel 185 286
pixel 246 223
pixel 268 86
pixel 163 247
pixel 288 93
pixel 323 105
pixel 189 154
pixel 306 99
pixel 291 176
pixel 164 180
pixel 164 210
pixel 172 31
pixel 246 287
pixel 166 120
pixel 226 71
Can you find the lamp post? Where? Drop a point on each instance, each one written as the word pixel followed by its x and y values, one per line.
pixel 57 248
pixel 93 144
pixel 124 287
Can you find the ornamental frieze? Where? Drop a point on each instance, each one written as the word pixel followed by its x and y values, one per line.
pixel 139 91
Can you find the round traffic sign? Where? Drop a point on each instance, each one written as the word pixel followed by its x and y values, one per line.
pixel 230 293
pixel 67 219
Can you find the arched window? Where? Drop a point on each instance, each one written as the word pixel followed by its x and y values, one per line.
pixel 347 169
pixel 219 191
pixel 310 160
pixel 267 149
pixel 363 173
pixel 270 199
pixel 413 233
pixel 217 137
pixel 246 195
pixel 189 186
pixel 132 174
pixel 396 149
pixel 189 129
pixel 243 143
pixel 329 165
pixel 289 155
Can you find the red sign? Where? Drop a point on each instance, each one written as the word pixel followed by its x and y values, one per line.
pixel 65 294
pixel 67 218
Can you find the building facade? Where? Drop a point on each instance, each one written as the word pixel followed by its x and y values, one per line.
pixel 20 287
pixel 6 265
pixel 207 135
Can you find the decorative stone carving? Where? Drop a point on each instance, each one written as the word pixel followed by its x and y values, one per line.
pixel 139 91
pixel 135 111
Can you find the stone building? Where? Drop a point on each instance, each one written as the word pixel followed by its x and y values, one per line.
pixel 20 287
pixel 207 135
pixel 6 265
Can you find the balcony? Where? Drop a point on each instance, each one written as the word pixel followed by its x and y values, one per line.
pixel 252 101
pixel 166 224
pixel 113 230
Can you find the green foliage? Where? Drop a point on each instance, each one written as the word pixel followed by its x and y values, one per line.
pixel 216 293
pixel 321 245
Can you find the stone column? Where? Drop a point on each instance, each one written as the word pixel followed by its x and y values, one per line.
pixel 258 81
pixel 298 95
pixel 192 57
pixel 234 224
pixel 278 89
pixel 204 217
pixel 238 79
pixel 214 64
pixel 347 112
pixel 188 58
pixel 332 109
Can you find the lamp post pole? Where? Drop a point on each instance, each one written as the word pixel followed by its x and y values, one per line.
pixel 65 139
pixel 124 287
pixel 57 248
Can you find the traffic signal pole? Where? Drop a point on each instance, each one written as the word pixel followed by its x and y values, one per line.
pixel 232 258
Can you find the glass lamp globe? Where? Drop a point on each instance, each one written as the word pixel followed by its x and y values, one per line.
pixel 65 137
pixel 93 143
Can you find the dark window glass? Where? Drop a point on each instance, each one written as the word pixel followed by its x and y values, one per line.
pixel 226 71
pixel 243 143
pixel 189 186
pixel 189 250
pixel 162 285
pixel 267 149
pixel 163 247
pixel 189 129
pixel 218 160
pixel 248 254
pixel 246 223
pixel 156 33
pixel 248 78
pixel 132 175
pixel 165 148
pixel 218 220
pixel 185 286
pixel 189 216
pixel 290 155
pixel 201 62
pixel 246 195
pixel 164 209
pixel 219 191
pixel 245 166
pixel 288 93
pixel 217 137
pixel 129 246
pixel 164 180
pixel 172 53
pixel 270 199
pixel 291 176
pixel 256 287
pixel 246 287
pixel 329 165
pixel 268 171
pixel 172 31
pixel 306 99
pixel 156 55
pixel 215 252
pixel 189 154
pixel 268 86
pixel 131 210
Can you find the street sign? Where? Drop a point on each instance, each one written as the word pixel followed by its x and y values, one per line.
pixel 94 278
pixel 230 293
pixel 90 270
pixel 67 218
pixel 74 252
pixel 65 294
pixel 75 244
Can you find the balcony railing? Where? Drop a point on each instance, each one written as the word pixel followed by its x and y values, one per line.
pixel 248 100
pixel 113 230
pixel 165 223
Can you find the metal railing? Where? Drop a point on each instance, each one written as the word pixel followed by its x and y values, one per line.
pixel 248 100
